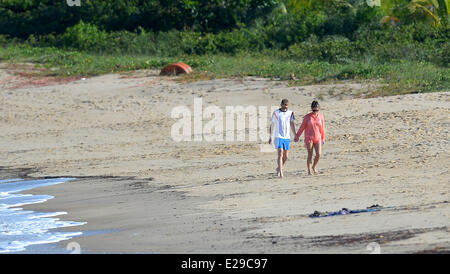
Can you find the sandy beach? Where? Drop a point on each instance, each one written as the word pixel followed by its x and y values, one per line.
pixel 155 195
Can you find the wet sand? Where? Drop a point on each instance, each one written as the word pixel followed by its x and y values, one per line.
pixel 155 195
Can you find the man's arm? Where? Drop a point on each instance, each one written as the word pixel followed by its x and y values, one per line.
pixel 272 126
pixel 270 134
pixel 292 119
pixel 293 127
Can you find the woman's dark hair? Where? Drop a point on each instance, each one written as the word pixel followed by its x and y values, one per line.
pixel 315 104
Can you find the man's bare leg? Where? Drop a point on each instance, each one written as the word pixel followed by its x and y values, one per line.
pixel 280 163
pixel 285 156
pixel 284 159
pixel 318 149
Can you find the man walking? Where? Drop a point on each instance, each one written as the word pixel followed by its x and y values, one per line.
pixel 281 125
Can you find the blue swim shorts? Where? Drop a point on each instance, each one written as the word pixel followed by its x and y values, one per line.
pixel 282 143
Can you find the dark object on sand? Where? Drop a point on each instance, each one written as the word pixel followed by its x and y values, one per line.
pixel 175 69
pixel 374 206
pixel 344 211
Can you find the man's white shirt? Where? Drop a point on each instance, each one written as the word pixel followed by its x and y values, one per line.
pixel 282 121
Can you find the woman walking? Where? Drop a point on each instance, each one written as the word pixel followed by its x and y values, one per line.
pixel 314 126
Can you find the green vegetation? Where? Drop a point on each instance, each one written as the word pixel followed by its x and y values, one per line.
pixel 402 43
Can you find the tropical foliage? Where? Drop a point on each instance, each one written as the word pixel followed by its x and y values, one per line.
pixel 334 31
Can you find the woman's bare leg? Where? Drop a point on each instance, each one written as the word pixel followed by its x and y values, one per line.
pixel 309 147
pixel 318 149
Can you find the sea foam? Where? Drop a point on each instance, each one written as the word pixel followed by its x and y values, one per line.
pixel 20 228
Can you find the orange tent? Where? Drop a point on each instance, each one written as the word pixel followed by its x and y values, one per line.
pixel 175 69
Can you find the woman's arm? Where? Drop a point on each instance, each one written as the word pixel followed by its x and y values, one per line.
pixel 322 129
pixel 301 129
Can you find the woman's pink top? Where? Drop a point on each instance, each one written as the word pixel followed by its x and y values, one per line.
pixel 314 127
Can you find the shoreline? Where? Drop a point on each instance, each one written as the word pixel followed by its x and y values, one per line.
pixel 101 238
pixel 165 213
pixel 225 237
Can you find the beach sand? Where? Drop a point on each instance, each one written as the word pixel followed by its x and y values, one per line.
pixel 154 195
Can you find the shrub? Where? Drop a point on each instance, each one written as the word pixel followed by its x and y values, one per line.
pixel 289 29
pixel 133 42
pixel 330 49
pixel 85 36
pixel 234 41
pixel 443 55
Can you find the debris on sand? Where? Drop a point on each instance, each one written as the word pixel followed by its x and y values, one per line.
pixel 345 211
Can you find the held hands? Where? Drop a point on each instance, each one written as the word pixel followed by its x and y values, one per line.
pixel 296 138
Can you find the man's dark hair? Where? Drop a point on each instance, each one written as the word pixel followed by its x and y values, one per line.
pixel 314 105
pixel 284 101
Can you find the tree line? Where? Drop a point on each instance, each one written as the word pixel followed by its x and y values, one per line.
pixel 21 18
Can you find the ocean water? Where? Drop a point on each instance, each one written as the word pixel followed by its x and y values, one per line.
pixel 21 228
